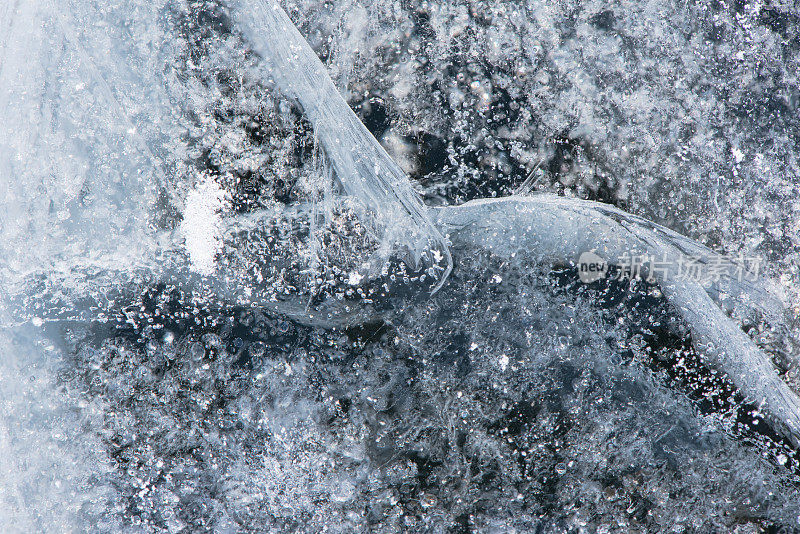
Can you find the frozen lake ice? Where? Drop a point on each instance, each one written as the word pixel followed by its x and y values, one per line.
pixel 211 321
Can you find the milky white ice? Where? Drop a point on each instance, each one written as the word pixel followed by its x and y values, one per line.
pixel 75 176
pixel 201 226
pixel 543 228
pixel 79 166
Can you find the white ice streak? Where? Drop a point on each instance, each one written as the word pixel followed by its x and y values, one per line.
pixel 548 228
pixel 394 210
pixel 201 227
pixel 543 227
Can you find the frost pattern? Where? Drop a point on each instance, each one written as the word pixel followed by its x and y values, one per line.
pixel 273 394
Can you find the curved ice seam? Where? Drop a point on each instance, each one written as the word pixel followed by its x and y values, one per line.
pixel 545 226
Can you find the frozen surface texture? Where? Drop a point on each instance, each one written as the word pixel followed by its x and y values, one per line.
pixel 191 340
pixel 362 166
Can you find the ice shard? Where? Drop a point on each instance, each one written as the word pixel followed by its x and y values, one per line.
pixel 548 228
pixel 393 209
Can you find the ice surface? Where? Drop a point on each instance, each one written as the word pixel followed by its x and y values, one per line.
pixel 558 230
pixel 362 165
pixel 272 394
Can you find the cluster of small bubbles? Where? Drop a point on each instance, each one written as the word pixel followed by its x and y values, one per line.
pixel 220 415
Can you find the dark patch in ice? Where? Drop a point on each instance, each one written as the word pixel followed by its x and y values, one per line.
pixel 375 115
pixel 431 152
pixel 778 21
pixel 603 20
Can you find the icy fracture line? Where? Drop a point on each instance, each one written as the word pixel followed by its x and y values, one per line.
pixel 361 164
pixel 539 228
pixel 547 228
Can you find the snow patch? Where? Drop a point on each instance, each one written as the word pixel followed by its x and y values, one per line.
pixel 201 227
